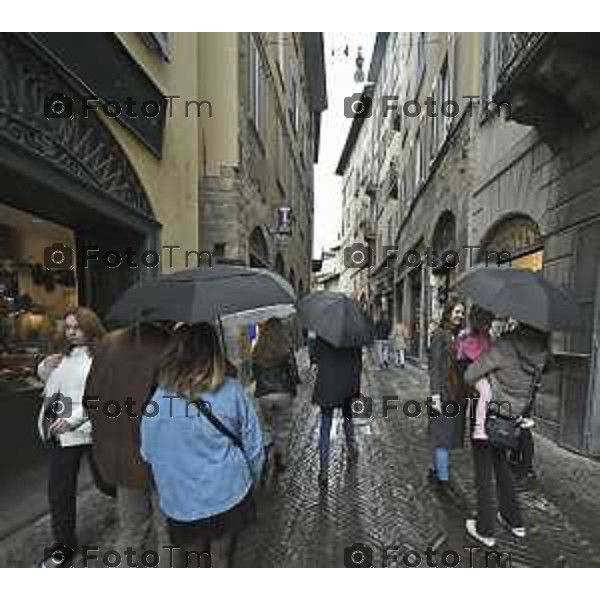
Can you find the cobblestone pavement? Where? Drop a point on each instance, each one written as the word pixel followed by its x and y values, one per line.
pixel 385 501
pixel 382 501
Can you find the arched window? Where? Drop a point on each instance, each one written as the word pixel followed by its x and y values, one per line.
pixel 515 240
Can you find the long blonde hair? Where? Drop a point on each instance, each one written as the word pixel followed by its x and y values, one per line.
pixel 193 362
pixel 273 345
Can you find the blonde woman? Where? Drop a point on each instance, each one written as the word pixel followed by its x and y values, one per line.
pixel 276 373
pixel 201 437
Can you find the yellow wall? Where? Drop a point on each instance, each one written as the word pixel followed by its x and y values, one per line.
pixel 170 182
pixel 218 83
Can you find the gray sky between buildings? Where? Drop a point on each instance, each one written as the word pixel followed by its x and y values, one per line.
pixel 340 71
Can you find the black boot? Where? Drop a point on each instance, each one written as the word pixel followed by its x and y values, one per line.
pixel 452 494
pixel 265 471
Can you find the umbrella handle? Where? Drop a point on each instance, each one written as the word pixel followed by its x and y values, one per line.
pixel 222 333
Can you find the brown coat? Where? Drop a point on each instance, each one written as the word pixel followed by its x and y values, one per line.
pixel 446 380
pixel 124 366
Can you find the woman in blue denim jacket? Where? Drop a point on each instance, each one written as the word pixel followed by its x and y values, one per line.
pixel 204 480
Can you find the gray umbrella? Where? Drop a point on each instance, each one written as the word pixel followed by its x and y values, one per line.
pixel 202 294
pixel 526 296
pixel 336 318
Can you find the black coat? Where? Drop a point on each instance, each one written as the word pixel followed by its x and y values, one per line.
pixel 446 380
pixel 383 328
pixel 338 374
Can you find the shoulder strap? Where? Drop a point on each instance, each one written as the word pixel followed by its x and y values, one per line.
pixel 536 376
pixel 205 409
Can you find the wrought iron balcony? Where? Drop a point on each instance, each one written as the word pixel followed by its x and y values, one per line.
pixel 514 50
pixel 548 79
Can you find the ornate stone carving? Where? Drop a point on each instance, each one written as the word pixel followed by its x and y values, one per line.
pixel 84 148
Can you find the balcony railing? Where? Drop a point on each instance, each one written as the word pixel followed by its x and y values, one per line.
pixel 513 50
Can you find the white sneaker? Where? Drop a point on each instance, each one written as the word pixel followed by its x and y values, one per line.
pixel 471 526
pixel 516 531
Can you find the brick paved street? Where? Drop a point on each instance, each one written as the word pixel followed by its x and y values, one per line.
pixel 383 500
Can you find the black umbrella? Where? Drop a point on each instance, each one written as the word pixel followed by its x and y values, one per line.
pixel 202 294
pixel 526 296
pixel 336 318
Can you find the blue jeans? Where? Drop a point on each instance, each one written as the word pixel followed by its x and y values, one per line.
pixel 325 433
pixel 441 463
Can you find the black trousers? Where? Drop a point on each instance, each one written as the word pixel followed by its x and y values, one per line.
pixel 492 464
pixel 527 452
pixel 62 490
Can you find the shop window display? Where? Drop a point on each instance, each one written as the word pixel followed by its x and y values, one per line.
pixel 33 299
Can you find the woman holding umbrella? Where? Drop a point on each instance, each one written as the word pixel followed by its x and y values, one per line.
pixel 342 329
pixel 512 365
pixel 203 442
pixel 337 386
pixel 447 417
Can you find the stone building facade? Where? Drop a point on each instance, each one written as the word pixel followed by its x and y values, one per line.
pixel 95 180
pixel 357 234
pixel 517 177
pixel 257 173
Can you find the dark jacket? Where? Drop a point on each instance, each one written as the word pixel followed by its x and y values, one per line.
pixel 338 374
pixel 383 329
pixel 445 378
pixel 509 366
pixel 279 378
pixel 124 366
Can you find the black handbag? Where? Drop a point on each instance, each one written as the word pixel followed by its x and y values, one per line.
pixel 504 432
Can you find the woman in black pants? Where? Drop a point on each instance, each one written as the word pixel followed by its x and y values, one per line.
pixel 511 366
pixel 63 422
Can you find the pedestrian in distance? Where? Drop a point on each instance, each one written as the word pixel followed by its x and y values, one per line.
pixel 205 447
pixel 447 415
pixel 63 421
pixel 276 374
pixel 121 380
pixel 382 350
pixel 512 365
pixel 337 385
pixel 399 337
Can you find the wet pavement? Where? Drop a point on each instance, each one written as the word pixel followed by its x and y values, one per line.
pixel 383 501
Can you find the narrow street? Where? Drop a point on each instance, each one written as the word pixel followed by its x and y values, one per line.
pixel 384 501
